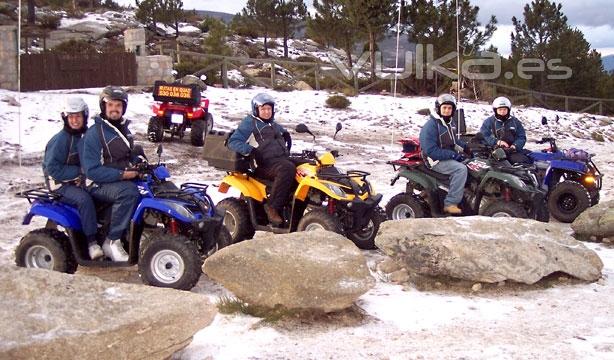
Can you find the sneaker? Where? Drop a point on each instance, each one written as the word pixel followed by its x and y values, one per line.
pixel 114 250
pixel 273 215
pixel 452 210
pixel 95 251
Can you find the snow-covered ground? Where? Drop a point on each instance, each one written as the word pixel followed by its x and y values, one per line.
pixel 560 320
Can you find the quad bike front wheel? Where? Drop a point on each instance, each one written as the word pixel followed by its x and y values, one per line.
pixel 567 200
pixel 365 237
pixel 404 206
pixel 197 133
pixel 319 219
pixel 237 219
pixel 168 260
pixel 155 129
pixel 46 249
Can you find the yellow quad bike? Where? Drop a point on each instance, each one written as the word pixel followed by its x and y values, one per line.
pixel 324 197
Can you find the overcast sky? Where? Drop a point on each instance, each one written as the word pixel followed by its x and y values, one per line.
pixel 595 18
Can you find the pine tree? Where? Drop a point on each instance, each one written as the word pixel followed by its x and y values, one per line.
pixel 261 15
pixel 171 13
pixel 331 26
pixel 215 42
pixel 288 15
pixel 147 12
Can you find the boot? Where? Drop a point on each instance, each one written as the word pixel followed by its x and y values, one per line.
pixel 273 215
pixel 113 249
pixel 94 250
pixel 452 210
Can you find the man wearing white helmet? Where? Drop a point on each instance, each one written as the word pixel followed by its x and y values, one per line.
pixel 443 150
pixel 259 135
pixel 62 167
pixel 506 131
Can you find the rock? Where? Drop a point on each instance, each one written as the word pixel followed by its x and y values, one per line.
pixel 595 221
pixel 50 315
pixel 301 85
pixel 597 136
pixel 11 100
pixel 399 276
pixel 389 265
pixel 476 287
pixel 477 249
pixel 303 270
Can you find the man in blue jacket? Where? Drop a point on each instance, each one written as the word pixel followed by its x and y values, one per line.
pixel 107 156
pixel 504 130
pixel 62 167
pixel 259 135
pixel 442 150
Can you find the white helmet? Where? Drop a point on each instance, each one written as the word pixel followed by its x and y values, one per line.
pixel 500 102
pixel 262 99
pixel 76 105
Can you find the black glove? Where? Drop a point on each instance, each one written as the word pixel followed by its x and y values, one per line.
pixel 459 157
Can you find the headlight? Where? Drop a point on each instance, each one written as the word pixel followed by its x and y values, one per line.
pixel 335 189
pixel 589 180
pixel 180 209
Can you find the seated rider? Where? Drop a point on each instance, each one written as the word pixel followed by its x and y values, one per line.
pixel 62 164
pixel 259 135
pixel 504 130
pixel 442 150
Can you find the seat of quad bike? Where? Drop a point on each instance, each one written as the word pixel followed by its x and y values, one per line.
pixel 437 175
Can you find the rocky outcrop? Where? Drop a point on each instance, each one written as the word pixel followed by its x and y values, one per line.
pixel 315 270
pixel 50 315
pixel 487 249
pixel 595 221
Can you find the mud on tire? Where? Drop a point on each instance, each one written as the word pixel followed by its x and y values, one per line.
pixel 46 249
pixel 168 260
pixel 155 129
pixel 237 219
pixel 567 200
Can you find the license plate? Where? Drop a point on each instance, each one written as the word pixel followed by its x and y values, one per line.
pixel 177 119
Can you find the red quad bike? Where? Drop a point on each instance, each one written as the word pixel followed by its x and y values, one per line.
pixel 177 108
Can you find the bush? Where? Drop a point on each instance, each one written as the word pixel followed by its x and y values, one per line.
pixel 338 102
pixel 424 112
pixel 349 91
pixel 283 87
pixel 73 46
pixel 190 67
pixel 51 22
pixel 306 58
pixel 272 44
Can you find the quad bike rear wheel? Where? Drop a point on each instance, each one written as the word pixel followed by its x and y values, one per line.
pixel 237 219
pixel 404 206
pixel 198 132
pixel 155 129
pixel 46 249
pixel 505 209
pixel 567 200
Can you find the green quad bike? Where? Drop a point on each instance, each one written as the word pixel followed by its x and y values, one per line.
pixel 494 187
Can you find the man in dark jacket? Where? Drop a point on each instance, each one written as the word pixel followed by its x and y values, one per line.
pixel 504 130
pixel 442 150
pixel 107 156
pixel 62 167
pixel 259 135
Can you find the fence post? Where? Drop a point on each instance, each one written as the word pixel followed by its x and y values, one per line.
pixel 161 49
pixel 601 108
pixel 356 86
pixel 317 76
pixel 566 104
pixel 272 74
pixel 224 73
pixel 178 56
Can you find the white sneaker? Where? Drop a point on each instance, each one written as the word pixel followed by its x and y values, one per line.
pixel 113 249
pixel 95 251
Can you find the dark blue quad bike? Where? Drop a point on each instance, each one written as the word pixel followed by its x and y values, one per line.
pixel 171 231
pixel 571 178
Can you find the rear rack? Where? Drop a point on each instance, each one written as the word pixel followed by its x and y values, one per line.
pixel 41 194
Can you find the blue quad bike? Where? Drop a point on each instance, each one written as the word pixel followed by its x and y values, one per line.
pixel 571 178
pixel 171 231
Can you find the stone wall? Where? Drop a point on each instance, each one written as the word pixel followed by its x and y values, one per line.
pixel 8 57
pixel 134 40
pixel 152 68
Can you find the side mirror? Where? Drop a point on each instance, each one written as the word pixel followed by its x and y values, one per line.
pixel 337 129
pixel 302 129
pixel 544 120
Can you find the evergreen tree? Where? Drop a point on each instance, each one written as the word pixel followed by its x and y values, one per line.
pixel 288 15
pixel 331 26
pixel 215 42
pixel 31 12
pixel 147 12
pixel 244 26
pixel 171 13
pixel 261 15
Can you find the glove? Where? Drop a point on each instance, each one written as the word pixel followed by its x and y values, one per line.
pixel 459 157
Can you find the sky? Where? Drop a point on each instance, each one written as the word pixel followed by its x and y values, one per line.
pixel 594 18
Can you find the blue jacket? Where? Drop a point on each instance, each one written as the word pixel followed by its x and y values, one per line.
pixel 506 130
pixel 61 160
pixel 269 139
pixel 104 164
pixel 437 139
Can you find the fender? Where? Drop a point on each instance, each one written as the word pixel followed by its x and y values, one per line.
pixel 62 214
pixel 508 179
pixel 569 165
pixel 163 206
pixel 419 178
pixel 303 189
pixel 248 186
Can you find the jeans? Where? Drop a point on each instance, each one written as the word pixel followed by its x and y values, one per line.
pixel 282 174
pixel 125 196
pixel 82 200
pixel 458 177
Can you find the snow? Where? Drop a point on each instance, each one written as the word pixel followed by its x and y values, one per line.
pixel 565 321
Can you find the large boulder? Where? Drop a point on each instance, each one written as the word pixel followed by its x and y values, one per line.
pixel 49 315
pixel 595 221
pixel 316 270
pixel 487 249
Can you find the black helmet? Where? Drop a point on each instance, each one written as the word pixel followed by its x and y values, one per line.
pixel 113 93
